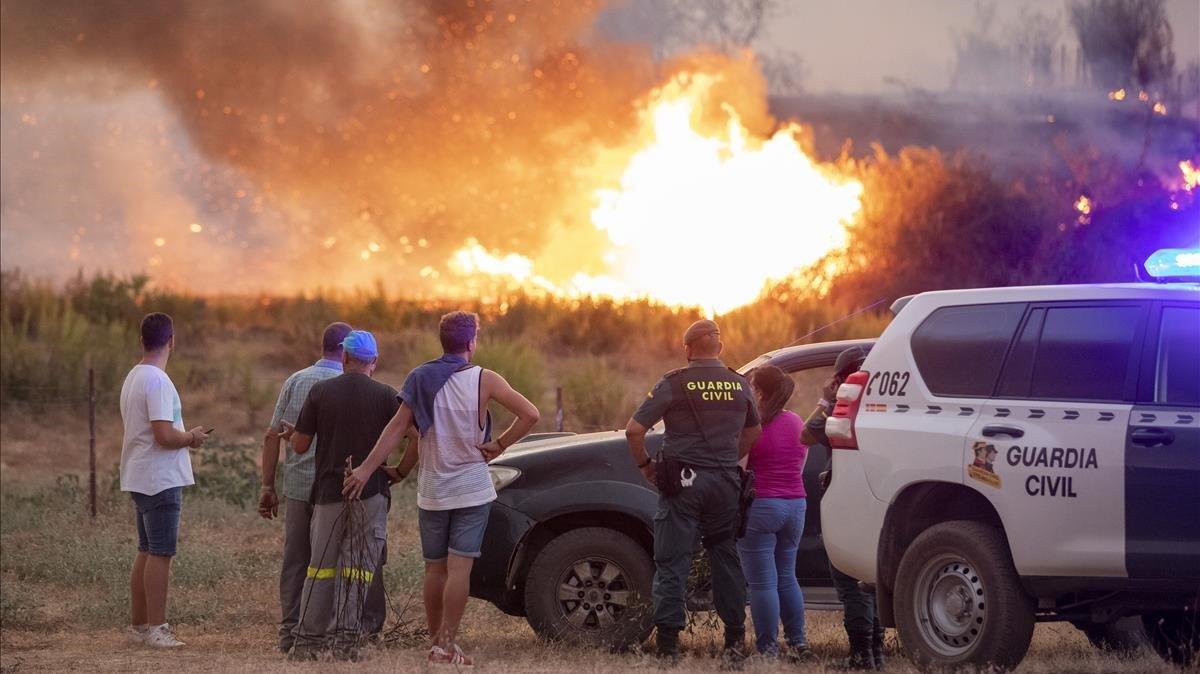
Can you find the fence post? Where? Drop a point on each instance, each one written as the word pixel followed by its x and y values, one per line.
pixel 92 440
pixel 558 409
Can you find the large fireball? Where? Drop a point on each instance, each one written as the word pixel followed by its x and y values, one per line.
pixel 700 219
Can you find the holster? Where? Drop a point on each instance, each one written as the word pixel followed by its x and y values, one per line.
pixel 746 497
pixel 667 476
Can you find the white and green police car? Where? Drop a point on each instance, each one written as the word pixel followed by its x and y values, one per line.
pixel 1014 455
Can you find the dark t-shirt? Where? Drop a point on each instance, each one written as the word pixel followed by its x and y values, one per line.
pixel 347 413
pixel 704 408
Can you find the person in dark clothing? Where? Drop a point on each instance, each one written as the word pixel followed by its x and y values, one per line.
pixel 861 616
pixel 711 421
pixel 348 537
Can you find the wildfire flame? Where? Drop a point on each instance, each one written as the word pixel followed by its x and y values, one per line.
pixel 1191 175
pixel 1084 206
pixel 699 220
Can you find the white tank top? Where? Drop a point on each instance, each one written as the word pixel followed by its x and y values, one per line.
pixel 453 473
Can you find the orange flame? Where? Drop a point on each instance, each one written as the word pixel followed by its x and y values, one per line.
pixel 1191 175
pixel 699 220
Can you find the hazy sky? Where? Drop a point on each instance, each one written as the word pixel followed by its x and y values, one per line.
pixel 852 45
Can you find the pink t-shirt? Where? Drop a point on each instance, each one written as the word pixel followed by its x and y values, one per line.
pixel 777 459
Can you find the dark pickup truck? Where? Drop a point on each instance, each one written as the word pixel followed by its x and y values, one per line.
pixel 569 543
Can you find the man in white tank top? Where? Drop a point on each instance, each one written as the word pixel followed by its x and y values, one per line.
pixel 447 401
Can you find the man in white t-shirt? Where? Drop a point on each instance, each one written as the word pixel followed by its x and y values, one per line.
pixel 155 467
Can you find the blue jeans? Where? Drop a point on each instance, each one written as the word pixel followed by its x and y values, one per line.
pixel 158 520
pixel 459 531
pixel 768 552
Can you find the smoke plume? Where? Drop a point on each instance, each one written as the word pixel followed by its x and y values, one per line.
pixel 231 145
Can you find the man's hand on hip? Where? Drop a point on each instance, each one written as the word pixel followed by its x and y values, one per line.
pixel 490 450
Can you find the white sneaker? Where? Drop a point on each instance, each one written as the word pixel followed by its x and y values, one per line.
pixel 161 636
pixel 136 634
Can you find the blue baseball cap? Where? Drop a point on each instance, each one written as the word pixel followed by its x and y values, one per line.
pixel 361 344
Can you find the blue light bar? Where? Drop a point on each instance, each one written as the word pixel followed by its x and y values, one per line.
pixel 1174 263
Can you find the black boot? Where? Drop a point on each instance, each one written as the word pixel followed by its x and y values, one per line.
pixel 667 643
pixel 877 648
pixel 734 653
pixel 860 653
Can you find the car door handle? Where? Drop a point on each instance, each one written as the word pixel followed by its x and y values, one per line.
pixel 1151 437
pixel 1010 431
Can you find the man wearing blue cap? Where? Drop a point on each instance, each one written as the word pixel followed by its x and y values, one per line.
pixel 347 412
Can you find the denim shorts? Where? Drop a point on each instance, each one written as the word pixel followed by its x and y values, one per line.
pixel 458 531
pixel 158 521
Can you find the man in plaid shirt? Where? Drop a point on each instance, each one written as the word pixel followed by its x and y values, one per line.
pixel 298 473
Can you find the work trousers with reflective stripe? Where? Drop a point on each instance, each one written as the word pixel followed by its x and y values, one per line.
pixel 707 510
pixel 347 541
pixel 297 550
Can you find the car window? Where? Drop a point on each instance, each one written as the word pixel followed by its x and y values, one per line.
pixel 959 350
pixel 1083 353
pixel 1177 373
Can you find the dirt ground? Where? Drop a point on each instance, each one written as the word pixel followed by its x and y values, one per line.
pixel 499 644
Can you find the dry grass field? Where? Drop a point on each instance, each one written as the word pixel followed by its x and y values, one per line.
pixel 63 577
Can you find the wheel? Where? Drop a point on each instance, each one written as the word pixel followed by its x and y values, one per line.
pixel 958 600
pixel 591 586
pixel 1175 635
pixel 1123 635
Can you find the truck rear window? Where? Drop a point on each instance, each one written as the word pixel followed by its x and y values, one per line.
pixel 959 350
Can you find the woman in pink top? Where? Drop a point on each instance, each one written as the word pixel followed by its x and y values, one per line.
pixel 776 520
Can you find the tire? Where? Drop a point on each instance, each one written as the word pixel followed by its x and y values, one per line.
pixel 1175 636
pixel 958 600
pixel 1123 635
pixel 571 592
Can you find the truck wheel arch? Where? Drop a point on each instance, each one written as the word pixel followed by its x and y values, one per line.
pixel 545 531
pixel 917 507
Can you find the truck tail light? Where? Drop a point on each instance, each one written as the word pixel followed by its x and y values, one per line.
pixel 840 426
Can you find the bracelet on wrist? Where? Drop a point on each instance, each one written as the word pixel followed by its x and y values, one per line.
pixel 645 463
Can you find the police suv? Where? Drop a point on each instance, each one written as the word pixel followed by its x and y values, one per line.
pixel 1013 455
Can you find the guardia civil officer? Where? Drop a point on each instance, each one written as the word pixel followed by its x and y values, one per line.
pixel 711 422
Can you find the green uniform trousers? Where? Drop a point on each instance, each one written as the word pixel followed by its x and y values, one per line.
pixel 707 509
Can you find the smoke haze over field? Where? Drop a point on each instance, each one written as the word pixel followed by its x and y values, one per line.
pixel 296 134
pixel 275 145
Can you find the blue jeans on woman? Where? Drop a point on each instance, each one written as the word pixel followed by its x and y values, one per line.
pixel 768 552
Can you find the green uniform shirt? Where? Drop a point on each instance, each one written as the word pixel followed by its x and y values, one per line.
pixel 704 407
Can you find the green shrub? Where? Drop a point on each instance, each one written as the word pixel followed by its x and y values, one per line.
pixel 254 393
pixel 46 348
pixel 595 396
pixel 226 472
pixel 520 364
pixel 18 605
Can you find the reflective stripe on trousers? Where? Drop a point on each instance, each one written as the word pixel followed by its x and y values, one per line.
pixel 332 600
pixel 351 572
